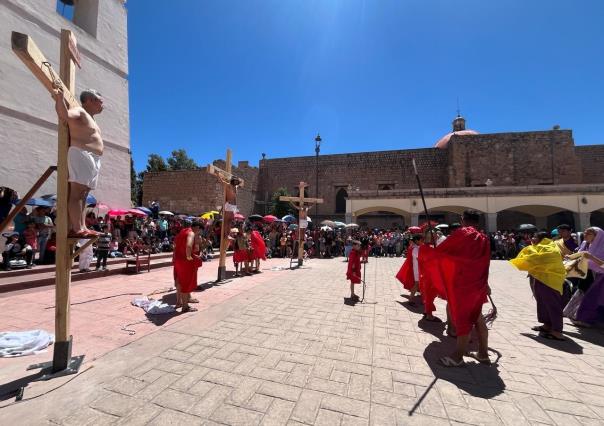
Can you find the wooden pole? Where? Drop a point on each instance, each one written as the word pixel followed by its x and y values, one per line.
pixel 62 346
pixel 301 231
pixel 224 241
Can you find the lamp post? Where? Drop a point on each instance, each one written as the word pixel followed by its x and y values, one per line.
pixel 317 150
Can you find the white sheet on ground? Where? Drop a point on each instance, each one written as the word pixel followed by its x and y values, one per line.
pixel 19 343
pixel 152 306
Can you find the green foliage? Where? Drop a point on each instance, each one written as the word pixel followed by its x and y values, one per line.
pixel 134 184
pixel 280 208
pixel 181 161
pixel 156 163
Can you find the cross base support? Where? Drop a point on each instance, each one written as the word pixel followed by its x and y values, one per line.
pixel 63 364
pixel 221 273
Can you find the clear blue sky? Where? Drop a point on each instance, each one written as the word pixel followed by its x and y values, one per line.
pixel 265 76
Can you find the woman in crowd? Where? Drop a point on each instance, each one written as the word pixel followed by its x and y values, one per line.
pixel 591 309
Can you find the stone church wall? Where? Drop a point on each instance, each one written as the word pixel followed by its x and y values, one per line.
pixel 527 158
pixel 592 162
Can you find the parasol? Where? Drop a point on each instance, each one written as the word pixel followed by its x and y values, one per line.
pixel 339 224
pixel 118 212
pixel 166 213
pixel 326 228
pixel 144 210
pixel 289 218
pixel 527 227
pixel 255 218
pixel 292 226
pixel 351 225
pixel 329 223
pixel 136 212
pixel 269 218
pixel 239 216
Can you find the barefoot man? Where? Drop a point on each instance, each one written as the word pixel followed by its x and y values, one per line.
pixel 186 260
pixel 84 155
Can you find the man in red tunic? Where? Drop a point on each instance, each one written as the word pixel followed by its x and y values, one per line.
pixel 459 269
pixel 186 260
pixel 354 268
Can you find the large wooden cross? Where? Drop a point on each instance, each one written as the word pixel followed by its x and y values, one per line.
pixel 224 176
pixel 299 203
pixel 25 48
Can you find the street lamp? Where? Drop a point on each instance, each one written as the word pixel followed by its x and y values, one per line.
pixel 317 150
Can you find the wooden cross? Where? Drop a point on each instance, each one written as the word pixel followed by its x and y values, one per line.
pixel 298 203
pixel 224 176
pixel 25 48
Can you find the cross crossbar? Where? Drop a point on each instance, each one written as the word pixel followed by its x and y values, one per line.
pixel 299 199
pixel 25 48
pixel 217 171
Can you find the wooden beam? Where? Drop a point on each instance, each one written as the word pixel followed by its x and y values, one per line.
pixel 298 199
pixel 25 48
pixel 217 171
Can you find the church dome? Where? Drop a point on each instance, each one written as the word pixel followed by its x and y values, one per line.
pixel 459 128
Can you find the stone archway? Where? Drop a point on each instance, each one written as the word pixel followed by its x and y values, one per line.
pixel 381 217
pixel 544 217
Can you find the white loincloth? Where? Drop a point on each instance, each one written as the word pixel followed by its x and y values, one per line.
pixel 83 167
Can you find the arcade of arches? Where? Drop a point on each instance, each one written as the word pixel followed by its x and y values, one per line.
pixel 502 208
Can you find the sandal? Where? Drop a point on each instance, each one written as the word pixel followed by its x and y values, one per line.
pixel 486 361
pixel 540 328
pixel 193 300
pixel 447 361
pixel 189 309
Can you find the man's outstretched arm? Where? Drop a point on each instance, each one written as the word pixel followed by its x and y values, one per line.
pixel 63 112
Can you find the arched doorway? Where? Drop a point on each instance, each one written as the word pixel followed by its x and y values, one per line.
pixel 382 217
pixel 341 196
pixel 544 217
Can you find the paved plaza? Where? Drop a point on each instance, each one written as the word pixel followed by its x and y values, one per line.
pixel 282 347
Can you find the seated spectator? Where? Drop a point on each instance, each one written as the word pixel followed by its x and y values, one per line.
pixel 17 248
pixel 30 235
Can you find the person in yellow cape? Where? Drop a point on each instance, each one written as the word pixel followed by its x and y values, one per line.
pixel 543 262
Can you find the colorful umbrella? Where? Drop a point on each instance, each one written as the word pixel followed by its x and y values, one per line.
pixel 329 223
pixel 269 218
pixel 118 212
pixel 239 216
pixel 144 210
pixel 292 226
pixel 289 218
pixel 415 230
pixel 210 214
pixel 339 224
pixel 255 218
pixel 136 212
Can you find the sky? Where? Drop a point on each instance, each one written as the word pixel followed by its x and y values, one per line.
pixel 266 76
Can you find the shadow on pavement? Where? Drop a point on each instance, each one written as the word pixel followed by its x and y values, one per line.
pixel 415 308
pixel 589 335
pixel 568 346
pixel 350 301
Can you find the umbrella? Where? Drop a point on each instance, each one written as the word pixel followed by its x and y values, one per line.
pixel 329 223
pixel 352 225
pixel 136 212
pixel 415 230
pixel 144 210
pixel 210 214
pixel 292 226
pixel 269 218
pixel 118 212
pixel 326 228
pixel 442 226
pixel 239 216
pixel 339 224
pixel 90 199
pixel 289 218
pixel 527 227
pixel 308 219
pixel 38 202
pixel 166 213
pixel 255 218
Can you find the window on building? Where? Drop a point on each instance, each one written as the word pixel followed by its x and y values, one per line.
pixel 385 186
pixel 65 9
pixel 83 13
pixel 341 196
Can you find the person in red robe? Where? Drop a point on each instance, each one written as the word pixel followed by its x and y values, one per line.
pixel 353 272
pixel 186 260
pixel 258 248
pixel 459 269
pixel 409 274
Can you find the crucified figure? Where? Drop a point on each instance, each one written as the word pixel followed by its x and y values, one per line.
pixel 230 203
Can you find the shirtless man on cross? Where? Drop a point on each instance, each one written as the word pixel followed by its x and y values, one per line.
pixel 84 155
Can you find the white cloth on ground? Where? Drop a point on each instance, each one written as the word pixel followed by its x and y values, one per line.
pixel 20 343
pixel 152 306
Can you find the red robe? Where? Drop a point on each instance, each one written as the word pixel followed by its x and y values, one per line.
pixel 459 269
pixel 406 277
pixel 354 267
pixel 258 246
pixel 185 271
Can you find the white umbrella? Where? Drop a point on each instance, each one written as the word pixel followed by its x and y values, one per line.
pixel 166 213
pixel 351 225
pixel 442 226
pixel 326 228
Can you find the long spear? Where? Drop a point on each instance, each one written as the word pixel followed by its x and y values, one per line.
pixel 421 193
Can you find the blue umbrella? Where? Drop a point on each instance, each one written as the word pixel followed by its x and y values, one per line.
pixel 289 218
pixel 38 202
pixel 90 200
pixel 144 210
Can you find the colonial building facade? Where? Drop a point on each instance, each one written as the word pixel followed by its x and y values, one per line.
pixel 538 177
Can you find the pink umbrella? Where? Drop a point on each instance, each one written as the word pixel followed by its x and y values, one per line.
pixel 269 218
pixel 239 216
pixel 118 212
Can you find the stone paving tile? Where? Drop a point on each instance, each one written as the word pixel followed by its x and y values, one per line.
pixel 281 359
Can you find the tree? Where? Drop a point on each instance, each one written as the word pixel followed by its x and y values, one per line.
pixel 181 161
pixel 134 184
pixel 156 163
pixel 280 208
